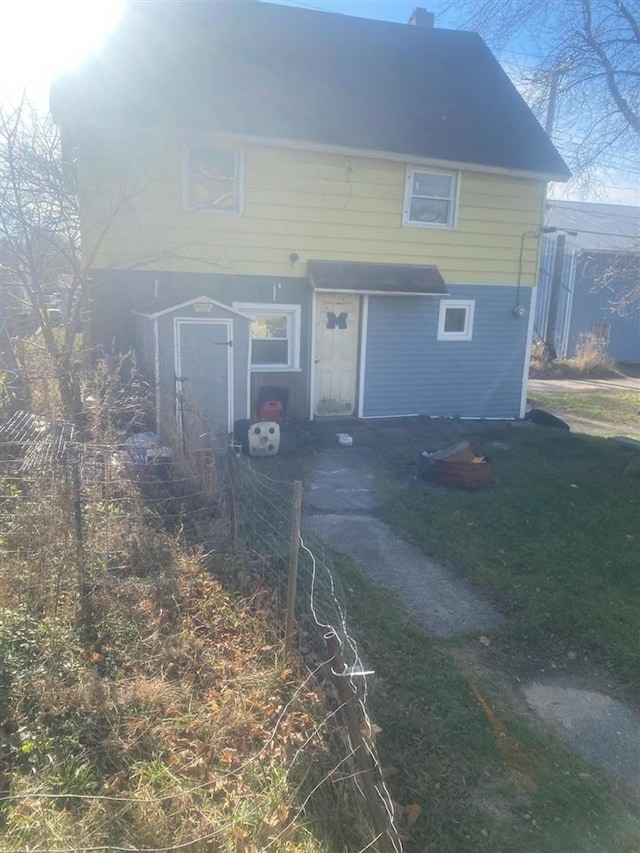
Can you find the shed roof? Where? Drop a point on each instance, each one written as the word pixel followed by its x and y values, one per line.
pixel 171 304
pixel 261 69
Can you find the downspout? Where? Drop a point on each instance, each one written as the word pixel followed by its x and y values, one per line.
pixel 554 299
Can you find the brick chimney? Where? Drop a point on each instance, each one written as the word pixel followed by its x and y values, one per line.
pixel 421 18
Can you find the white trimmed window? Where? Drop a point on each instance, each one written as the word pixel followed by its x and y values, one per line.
pixel 455 321
pixel 275 335
pixel 212 178
pixel 430 199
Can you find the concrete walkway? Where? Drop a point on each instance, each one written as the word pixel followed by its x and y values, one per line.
pixel 340 508
pixel 602 730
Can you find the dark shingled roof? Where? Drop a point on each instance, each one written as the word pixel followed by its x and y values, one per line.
pixel 377 278
pixel 290 73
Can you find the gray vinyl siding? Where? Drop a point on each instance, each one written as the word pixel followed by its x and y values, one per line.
pixel 409 371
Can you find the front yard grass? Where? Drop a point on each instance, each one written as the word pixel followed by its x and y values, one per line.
pixel 555 541
pixel 456 739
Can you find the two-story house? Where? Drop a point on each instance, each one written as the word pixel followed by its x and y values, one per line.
pixel 344 208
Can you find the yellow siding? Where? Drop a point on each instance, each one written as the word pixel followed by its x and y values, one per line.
pixel 322 206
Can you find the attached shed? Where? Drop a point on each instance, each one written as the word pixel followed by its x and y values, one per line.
pixel 198 354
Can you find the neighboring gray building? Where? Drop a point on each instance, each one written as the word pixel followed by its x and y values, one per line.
pixel 590 258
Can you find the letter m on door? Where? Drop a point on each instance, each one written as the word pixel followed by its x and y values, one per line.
pixel 337 321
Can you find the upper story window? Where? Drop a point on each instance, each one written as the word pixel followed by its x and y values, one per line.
pixel 430 198
pixel 212 178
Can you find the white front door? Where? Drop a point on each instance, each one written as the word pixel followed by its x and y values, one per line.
pixel 336 356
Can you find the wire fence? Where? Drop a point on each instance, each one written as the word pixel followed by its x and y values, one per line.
pixel 74 516
pixel 265 508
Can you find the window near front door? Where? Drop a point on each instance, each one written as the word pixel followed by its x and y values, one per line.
pixel 430 199
pixel 275 336
pixel 212 178
pixel 455 321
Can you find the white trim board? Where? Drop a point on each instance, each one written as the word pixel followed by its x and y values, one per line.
pixel 312 360
pixel 527 351
pixel 364 324
pixel 156 371
pixel 378 292
pixel 376 154
pixel 214 304
pixel 435 417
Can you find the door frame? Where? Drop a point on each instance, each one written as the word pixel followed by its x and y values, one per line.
pixel 178 322
pixel 363 308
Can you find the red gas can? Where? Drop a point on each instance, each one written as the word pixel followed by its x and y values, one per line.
pixel 271 410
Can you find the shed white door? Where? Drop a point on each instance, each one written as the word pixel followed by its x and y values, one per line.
pixel 336 356
pixel 203 373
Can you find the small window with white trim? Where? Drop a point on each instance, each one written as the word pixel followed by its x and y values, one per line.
pixel 430 198
pixel 455 321
pixel 275 335
pixel 212 178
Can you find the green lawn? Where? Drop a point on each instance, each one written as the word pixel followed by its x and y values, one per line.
pixel 555 541
pixel 621 408
pixel 455 739
pixel 485 780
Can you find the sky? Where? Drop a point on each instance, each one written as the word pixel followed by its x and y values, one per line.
pixel 39 38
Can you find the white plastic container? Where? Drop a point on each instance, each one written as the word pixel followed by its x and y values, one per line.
pixel 264 438
pixel 344 439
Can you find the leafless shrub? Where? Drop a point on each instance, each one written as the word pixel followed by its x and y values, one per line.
pixel 590 362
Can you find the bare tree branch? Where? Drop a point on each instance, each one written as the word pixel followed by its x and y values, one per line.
pixel 633 22
pixel 610 73
pixel 590 51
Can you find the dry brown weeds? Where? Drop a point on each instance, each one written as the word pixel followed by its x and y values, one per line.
pixel 590 362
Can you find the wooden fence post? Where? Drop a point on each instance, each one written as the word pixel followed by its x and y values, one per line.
pixel 366 765
pixel 294 551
